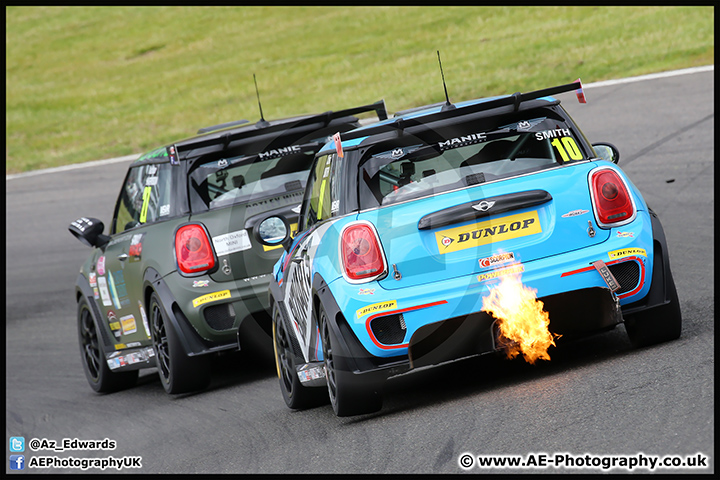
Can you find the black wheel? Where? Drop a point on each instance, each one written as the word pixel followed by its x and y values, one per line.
pixel 349 394
pixel 296 396
pixel 97 372
pixel 656 325
pixel 179 373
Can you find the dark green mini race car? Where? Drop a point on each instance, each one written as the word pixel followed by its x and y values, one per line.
pixel 183 268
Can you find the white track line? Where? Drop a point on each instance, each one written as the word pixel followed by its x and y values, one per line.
pixel 606 83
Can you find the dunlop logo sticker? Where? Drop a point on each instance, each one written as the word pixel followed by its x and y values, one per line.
pixel 499 273
pixel 211 297
pixel 483 233
pixel 377 307
pixel 626 252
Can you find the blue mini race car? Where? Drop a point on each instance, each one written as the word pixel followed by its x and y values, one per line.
pixel 407 224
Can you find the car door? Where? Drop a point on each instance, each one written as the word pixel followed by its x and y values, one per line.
pixel 321 205
pixel 143 200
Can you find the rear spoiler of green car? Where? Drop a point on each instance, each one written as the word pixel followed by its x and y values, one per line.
pixel 267 129
pixel 450 111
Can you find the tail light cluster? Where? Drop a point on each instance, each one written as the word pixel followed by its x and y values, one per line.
pixel 361 254
pixel 193 250
pixel 611 198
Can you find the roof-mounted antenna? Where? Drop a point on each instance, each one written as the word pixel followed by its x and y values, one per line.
pixel 262 122
pixel 448 105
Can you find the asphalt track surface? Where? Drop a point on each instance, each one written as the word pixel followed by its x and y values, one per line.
pixel 597 396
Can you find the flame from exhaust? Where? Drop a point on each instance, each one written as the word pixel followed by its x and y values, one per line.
pixel 522 322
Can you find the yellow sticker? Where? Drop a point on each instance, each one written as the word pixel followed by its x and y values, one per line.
pixel 115 326
pixel 146 202
pixel 626 252
pixel 120 346
pixel 377 307
pixel 498 273
pixel 495 230
pixel 211 297
pixel 128 324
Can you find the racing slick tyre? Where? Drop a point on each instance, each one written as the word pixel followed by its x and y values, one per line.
pixel 656 325
pixel 296 395
pixel 179 373
pixel 350 394
pixel 97 372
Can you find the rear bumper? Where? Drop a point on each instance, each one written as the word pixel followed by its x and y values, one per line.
pixel 392 324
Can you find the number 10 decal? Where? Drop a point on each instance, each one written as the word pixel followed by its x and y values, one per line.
pixel 568 148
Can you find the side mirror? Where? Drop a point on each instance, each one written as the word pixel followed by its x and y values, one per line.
pixel 89 231
pixel 607 151
pixel 274 231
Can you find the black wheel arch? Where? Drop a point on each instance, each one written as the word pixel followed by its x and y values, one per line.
pixel 357 358
pixel 83 289
pixel 190 340
pixel 660 293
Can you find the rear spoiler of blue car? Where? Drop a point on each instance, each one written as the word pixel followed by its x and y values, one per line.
pixel 450 111
pixel 301 124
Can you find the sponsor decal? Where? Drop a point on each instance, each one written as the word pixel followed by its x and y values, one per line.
pixel 625 235
pixel 173 155
pixel 211 297
pixel 523 125
pixel 164 210
pixel 519 268
pixel 626 252
pixel 547 134
pixel 201 283
pixel 146 325
pixel 104 292
pixel 100 266
pixel 280 152
pixel 377 307
pixel 231 242
pixel 575 213
pixel 152 169
pixel 128 324
pixel 151 181
pixel 115 241
pixel 96 293
pixel 397 153
pixel 135 250
pixel 111 317
pixel 222 163
pixel 462 141
pixel 497 259
pixel 120 346
pixel 483 233
pixel 92 278
pixel 139 356
pixel 366 291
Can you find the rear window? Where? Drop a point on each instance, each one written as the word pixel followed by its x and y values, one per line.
pixel 228 181
pixel 466 155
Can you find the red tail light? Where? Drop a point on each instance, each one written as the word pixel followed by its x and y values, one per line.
pixel 611 198
pixel 361 254
pixel 193 249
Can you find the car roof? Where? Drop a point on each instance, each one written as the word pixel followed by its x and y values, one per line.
pixel 238 133
pixel 441 113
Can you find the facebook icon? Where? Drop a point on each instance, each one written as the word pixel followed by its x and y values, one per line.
pixel 17 462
